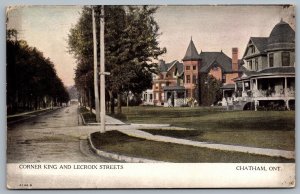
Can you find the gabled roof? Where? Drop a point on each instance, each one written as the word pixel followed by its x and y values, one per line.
pixel 165 67
pixel 210 58
pixel 191 53
pixel 261 43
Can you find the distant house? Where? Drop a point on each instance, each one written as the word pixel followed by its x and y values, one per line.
pixel 176 82
pixel 269 79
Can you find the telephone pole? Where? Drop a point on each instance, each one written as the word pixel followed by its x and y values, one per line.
pixel 102 71
pixel 95 69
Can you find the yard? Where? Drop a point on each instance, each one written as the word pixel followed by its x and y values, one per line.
pixel 116 142
pixel 266 129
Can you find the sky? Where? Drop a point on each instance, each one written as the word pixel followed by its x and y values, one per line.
pixel 212 28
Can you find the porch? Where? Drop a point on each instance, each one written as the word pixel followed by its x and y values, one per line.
pixel 266 88
pixel 175 96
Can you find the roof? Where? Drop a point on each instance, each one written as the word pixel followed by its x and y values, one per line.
pixel 268 72
pixel 165 67
pixel 260 43
pixel 287 69
pixel 174 88
pixel 282 36
pixel 179 68
pixel 191 53
pixel 210 58
pixel 228 86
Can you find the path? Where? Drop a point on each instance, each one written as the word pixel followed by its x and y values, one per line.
pixel 51 137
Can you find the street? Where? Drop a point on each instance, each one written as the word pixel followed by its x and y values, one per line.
pixel 52 137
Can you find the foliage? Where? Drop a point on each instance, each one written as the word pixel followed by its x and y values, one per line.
pixel 131 48
pixel 32 81
pixel 210 90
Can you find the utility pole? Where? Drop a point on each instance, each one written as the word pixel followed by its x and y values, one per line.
pixel 102 71
pixel 95 69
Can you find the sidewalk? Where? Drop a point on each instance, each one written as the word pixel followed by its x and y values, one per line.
pixel 236 148
pixel 108 120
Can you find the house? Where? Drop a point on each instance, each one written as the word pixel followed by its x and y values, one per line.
pixel 176 84
pixel 269 78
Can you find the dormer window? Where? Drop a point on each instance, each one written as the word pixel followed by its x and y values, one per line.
pixel 252 49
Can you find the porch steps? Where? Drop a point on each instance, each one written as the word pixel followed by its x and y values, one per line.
pixel 240 105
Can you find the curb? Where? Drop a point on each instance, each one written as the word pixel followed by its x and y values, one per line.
pixel 32 116
pixel 119 157
pixel 82 119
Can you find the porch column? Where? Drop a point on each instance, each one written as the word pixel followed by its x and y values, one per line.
pixel 287 104
pixel 285 87
pixel 165 96
pixel 235 86
pixel 256 84
pixel 175 98
pixel 243 84
pixel 256 103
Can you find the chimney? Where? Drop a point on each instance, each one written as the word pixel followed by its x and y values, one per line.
pixel 235 59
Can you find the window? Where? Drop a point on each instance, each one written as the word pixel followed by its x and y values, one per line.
pixel 215 68
pixel 223 78
pixel 256 64
pixel 194 79
pixel 187 68
pixel 250 64
pixel 271 60
pixel 285 57
pixel 252 49
pixel 188 79
pixel 194 67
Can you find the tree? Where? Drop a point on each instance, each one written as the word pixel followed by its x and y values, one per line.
pixel 131 48
pixel 32 82
pixel 210 90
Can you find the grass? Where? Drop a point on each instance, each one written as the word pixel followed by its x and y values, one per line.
pixel 87 115
pixel 265 129
pixel 263 139
pixel 116 142
pixel 210 118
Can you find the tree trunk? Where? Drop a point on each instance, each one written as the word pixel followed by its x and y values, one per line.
pixel 90 102
pixel 119 104
pixel 112 102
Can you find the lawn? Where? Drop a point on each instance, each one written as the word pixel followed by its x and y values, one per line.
pixel 266 129
pixel 116 142
pixel 87 115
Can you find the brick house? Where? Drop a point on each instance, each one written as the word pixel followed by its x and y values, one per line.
pixel 177 82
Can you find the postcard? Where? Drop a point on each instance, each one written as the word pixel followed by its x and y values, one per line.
pixel 144 96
